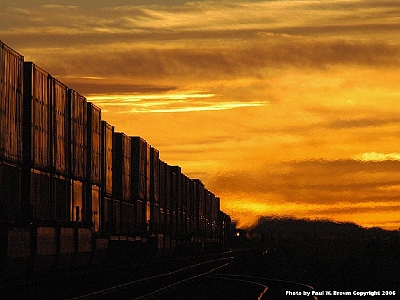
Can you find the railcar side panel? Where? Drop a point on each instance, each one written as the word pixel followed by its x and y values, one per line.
pixel 10 192
pixel 60 195
pixel 107 158
pixel 154 190
pixel 94 144
pixel 78 134
pixel 77 201
pixel 141 183
pixel 95 206
pixel 122 167
pixel 41 204
pixel 11 104
pixel 37 122
pixel 59 127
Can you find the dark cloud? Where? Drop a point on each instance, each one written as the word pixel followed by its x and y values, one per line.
pixel 88 87
pixel 362 122
pixel 215 62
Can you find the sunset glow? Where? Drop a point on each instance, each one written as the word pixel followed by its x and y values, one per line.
pixel 279 107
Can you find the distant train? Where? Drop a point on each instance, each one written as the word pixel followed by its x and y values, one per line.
pixel 74 193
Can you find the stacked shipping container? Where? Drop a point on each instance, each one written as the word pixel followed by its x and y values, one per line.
pixel 78 156
pixel 37 142
pixel 59 190
pixel 108 220
pixel 122 183
pixel 93 170
pixel 141 184
pixel 11 116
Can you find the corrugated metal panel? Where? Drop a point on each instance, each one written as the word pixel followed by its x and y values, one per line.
pixel 60 195
pixel 95 207
pixel 107 216
pixel 11 101
pixel 116 226
pixel 195 205
pixel 167 184
pixel 190 198
pixel 173 186
pixel 209 204
pixel 36 117
pixel 41 204
pixel 185 193
pixel 201 199
pixel 107 157
pixel 154 176
pixel 162 198
pixel 10 192
pixel 94 144
pixel 140 169
pixel 185 203
pixel 176 188
pixel 122 167
pixel 125 222
pixel 154 216
pixel 176 214
pixel 154 189
pixel 78 132
pixel 60 145
pixel 216 209
pixel 146 164
pixel 77 201
pixel 165 196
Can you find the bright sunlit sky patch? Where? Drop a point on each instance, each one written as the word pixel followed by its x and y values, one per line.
pixel 280 107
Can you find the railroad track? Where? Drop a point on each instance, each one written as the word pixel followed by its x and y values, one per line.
pixel 153 286
pixel 210 279
pixel 273 288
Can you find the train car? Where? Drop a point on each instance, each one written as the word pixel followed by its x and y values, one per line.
pixel 107 216
pixel 37 204
pixel 59 148
pixel 156 237
pixel 175 208
pixel 200 204
pixel 185 204
pixel 194 211
pixel 93 170
pixel 122 183
pixel 165 207
pixel 208 205
pixel 154 190
pixel 14 240
pixel 94 182
pixel 11 117
pixel 141 186
pixel 11 104
pixel 78 155
pixel 216 208
pixel 225 230
pixel 41 158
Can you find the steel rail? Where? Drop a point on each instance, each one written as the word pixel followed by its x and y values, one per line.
pixel 180 282
pixel 223 276
pixel 219 276
pixel 119 287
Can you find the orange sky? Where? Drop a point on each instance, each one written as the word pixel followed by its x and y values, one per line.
pixel 280 107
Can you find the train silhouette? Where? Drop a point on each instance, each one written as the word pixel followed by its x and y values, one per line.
pixel 75 193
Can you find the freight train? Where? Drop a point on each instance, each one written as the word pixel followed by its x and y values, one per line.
pixel 75 193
